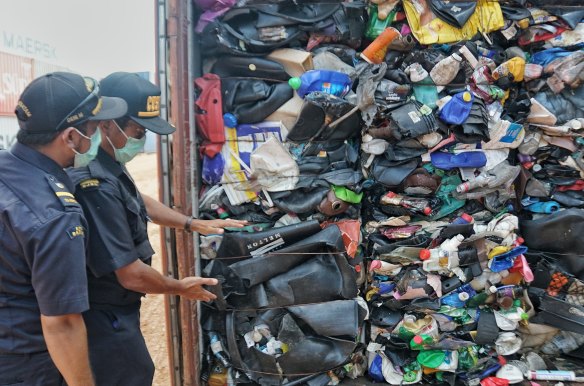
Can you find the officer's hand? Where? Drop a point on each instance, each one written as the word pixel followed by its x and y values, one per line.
pixel 192 288
pixel 207 227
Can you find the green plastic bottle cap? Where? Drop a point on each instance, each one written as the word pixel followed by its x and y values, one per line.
pixel 517 303
pixel 410 376
pixel 466 96
pixel 295 82
pixel 524 316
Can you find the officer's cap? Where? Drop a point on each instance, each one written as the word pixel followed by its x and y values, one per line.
pixel 59 100
pixel 142 96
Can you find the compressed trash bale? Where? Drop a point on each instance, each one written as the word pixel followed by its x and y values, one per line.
pixel 472 131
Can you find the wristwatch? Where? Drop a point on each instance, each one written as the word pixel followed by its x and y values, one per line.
pixel 187 226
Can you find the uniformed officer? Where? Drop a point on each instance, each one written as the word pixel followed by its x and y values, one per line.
pixel 119 252
pixel 43 283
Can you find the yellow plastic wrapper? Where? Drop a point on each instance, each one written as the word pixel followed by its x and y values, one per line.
pixel 429 29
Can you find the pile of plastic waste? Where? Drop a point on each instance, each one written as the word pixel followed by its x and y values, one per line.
pixel 412 172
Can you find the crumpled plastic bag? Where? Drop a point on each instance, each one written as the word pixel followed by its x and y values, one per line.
pixel 273 168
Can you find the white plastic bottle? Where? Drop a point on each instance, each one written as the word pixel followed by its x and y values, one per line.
pixel 451 245
pixel 445 71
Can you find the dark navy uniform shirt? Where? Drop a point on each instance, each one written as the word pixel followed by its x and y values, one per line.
pixel 42 248
pixel 117 228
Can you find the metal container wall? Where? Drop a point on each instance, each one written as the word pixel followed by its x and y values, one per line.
pixel 178 181
pixel 15 73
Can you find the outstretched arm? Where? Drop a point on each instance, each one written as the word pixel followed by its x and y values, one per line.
pixel 165 216
pixel 140 277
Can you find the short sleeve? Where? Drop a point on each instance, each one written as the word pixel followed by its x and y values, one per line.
pixel 58 271
pixel 111 245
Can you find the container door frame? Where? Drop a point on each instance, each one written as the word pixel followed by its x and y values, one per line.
pixel 178 168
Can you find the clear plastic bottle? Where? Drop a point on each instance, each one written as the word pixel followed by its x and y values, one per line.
pixel 418 205
pixel 383 267
pixel 217 349
pixel 562 343
pixel 482 298
pixel 480 181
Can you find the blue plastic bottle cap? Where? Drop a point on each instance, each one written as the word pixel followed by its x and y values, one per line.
pixel 295 82
pixel 367 184
pixel 229 120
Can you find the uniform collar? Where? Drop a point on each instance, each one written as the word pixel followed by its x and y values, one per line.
pixel 109 163
pixel 41 161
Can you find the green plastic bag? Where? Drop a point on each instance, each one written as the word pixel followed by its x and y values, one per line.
pixel 347 195
pixel 431 358
pixel 444 193
pixel 468 357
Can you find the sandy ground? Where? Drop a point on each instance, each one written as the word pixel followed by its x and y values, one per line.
pixel 144 171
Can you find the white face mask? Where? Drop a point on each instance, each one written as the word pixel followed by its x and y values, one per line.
pixel 84 159
pixel 132 147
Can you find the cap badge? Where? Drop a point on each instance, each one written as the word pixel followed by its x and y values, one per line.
pixel 152 107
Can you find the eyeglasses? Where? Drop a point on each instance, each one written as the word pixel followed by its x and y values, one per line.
pixel 93 94
pixel 140 130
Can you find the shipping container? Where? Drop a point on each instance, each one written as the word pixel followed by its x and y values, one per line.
pixel 8 130
pixel 177 170
pixel 41 68
pixel 178 64
pixel 15 73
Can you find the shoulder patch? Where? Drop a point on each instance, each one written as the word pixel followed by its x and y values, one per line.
pixel 67 198
pixel 76 231
pixel 90 183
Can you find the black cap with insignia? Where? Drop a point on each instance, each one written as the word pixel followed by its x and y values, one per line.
pixel 59 100
pixel 143 98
